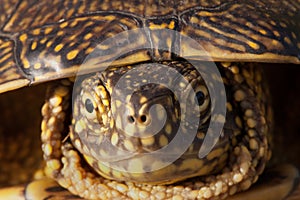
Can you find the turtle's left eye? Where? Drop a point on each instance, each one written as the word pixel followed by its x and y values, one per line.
pixel 89 106
pixel 200 97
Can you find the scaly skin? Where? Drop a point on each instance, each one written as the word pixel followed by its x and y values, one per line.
pixel 248 154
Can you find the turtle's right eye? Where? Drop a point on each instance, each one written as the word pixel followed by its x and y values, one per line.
pixel 89 106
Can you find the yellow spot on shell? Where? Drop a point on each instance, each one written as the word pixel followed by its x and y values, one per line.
pixel 72 54
pixel 59 33
pixel 43 41
pixel 63 25
pixel 23 37
pixel 49 43
pixel 253 45
pixel 48 30
pixel 36 31
pixel 263 32
pixel 287 40
pixel 88 36
pixel 34 45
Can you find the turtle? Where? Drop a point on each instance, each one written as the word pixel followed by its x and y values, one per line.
pixel 145 99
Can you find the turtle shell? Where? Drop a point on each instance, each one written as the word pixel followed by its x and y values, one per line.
pixel 46 40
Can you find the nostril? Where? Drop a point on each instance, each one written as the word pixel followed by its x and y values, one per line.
pixel 143 118
pixel 130 119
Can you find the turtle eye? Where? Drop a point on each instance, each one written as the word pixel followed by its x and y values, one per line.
pixel 89 106
pixel 200 97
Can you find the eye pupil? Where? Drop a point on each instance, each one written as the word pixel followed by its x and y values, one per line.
pixel 89 105
pixel 200 98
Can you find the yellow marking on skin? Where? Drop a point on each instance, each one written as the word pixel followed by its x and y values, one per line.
pixel 251 123
pixel 34 45
pixel 163 141
pixel 114 139
pixel 215 153
pixel 237 178
pixel 226 64
pixel 36 31
pixel 238 122
pixel 26 63
pixel 58 47
pixel 190 164
pixel 148 141
pixel 72 54
pixel 23 37
pixel 63 25
pixel 79 126
pixel 239 95
pixel 253 144
pixel 118 175
pixel 171 25
pixel 53 164
pixel 47 149
pixel 48 30
pixel 234 69
pixel 200 135
pixel 128 145
pixel 253 45
pixel 229 106
pixel 135 165
pixel 143 100
pixel 168 129
pixel 287 40
pixel 103 168
pixel 37 65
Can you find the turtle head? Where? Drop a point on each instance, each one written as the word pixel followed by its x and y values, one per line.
pixel 132 121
